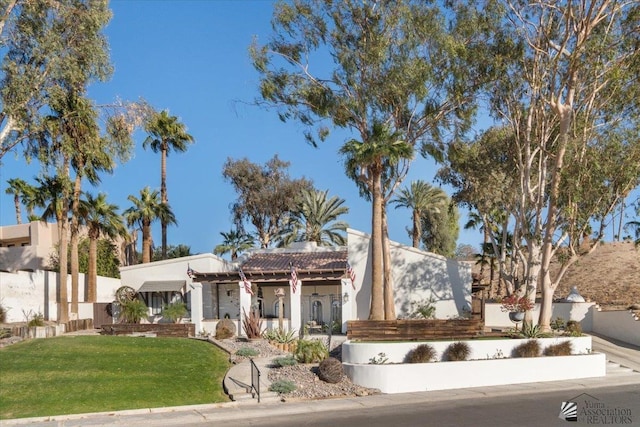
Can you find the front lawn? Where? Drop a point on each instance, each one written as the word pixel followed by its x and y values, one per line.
pixel 79 374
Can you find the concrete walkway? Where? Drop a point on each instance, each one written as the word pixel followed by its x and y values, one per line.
pixel 625 354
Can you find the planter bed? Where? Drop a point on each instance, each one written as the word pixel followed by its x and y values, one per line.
pixel 490 364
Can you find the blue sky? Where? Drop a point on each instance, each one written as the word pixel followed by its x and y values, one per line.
pixel 191 57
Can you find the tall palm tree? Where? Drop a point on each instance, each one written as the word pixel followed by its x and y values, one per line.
pixel 166 133
pixel 102 219
pixel 22 193
pixel 315 220
pixel 366 162
pixel 234 243
pixel 144 211
pixel 53 195
pixel 421 197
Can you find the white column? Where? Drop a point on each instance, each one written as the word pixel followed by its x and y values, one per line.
pixel 347 307
pixel 196 305
pixel 295 316
pixel 245 306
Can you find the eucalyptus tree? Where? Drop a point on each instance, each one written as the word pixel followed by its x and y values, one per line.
pixel 410 66
pixel 234 243
pixel 441 229
pixel 22 193
pixel 421 197
pixel 316 220
pixel 145 210
pixel 570 100
pixel 166 133
pixel 266 195
pixel 102 220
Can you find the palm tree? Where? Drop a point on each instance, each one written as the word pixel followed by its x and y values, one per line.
pixel 366 162
pixel 144 211
pixel 53 195
pixel 315 220
pixel 234 243
pixel 22 193
pixel 102 219
pixel 165 133
pixel 421 197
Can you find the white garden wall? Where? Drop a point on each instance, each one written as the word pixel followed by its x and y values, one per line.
pixel 404 378
pixel 362 352
pixel 417 277
pixel 23 292
pixel 622 325
pixel 579 311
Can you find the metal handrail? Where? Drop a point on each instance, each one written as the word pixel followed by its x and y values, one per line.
pixel 255 378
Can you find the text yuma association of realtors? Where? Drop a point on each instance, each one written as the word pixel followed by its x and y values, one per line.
pixel 598 413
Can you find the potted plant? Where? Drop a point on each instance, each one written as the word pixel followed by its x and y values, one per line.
pixel 516 306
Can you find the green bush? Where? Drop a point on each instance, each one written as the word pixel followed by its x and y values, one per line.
pixel 573 329
pixel 529 348
pixel 529 330
pixel 133 311
pixel 557 324
pixel 289 360
pixel 421 354
pixel 247 352
pixel 282 386
pixel 457 351
pixel 225 329
pixel 36 319
pixel 3 314
pixel 311 351
pixel 561 349
pixel 174 312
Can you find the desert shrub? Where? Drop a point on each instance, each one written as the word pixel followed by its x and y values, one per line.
pixel 529 330
pixel 289 360
pixel 573 329
pixel 175 312
pixel 252 324
pixel 133 311
pixel 36 319
pixel 557 324
pixel 330 370
pixel 457 351
pixel 311 351
pixel 380 359
pixel 529 348
pixel 5 333
pixel 282 386
pixel 3 314
pixel 225 329
pixel 421 354
pixel 247 352
pixel 561 349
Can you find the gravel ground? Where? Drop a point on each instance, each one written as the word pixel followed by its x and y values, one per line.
pixel 304 376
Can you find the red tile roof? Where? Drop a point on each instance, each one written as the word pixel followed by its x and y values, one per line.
pixel 302 261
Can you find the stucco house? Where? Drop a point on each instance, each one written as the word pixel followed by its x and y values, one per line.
pixel 321 293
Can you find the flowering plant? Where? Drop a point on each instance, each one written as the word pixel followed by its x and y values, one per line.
pixel 515 303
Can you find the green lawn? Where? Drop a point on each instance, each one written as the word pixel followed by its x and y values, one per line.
pixel 79 374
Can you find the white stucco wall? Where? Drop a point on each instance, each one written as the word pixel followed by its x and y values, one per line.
pixel 622 325
pixel 579 311
pixel 417 275
pixel 35 292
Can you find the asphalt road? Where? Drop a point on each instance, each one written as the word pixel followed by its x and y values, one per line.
pixel 535 410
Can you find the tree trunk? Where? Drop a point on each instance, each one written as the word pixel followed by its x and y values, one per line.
pixel 146 242
pixel 389 300
pixel 163 197
pixel 16 202
pixel 63 298
pixel 92 269
pixel 377 303
pixel 417 229
pixel 75 231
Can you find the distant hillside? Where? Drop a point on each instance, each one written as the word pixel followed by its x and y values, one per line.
pixel 610 276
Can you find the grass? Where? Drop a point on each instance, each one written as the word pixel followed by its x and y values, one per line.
pixel 79 374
